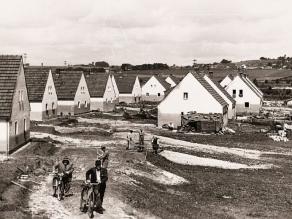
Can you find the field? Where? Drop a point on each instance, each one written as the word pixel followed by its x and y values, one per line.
pixel 241 175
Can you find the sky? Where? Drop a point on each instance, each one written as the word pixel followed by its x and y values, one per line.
pixel 145 31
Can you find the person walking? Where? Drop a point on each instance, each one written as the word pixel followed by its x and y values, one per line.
pixel 130 140
pixel 141 137
pixel 103 157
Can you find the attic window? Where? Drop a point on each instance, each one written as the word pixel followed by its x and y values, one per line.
pixel 240 93
pixel 233 93
pixel 186 95
pixel 158 94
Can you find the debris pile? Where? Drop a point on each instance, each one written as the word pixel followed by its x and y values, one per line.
pixel 199 122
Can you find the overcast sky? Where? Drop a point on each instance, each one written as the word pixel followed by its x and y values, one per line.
pixel 145 31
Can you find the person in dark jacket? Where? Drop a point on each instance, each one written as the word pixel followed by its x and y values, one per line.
pixel 99 175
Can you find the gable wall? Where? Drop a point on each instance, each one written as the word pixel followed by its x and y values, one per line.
pixel 170 81
pixel 153 87
pixel 83 97
pixel 225 82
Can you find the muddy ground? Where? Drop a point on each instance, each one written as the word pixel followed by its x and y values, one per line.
pixel 144 185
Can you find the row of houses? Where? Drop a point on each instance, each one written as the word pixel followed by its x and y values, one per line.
pixel 201 94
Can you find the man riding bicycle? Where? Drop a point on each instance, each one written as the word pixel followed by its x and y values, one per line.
pixel 66 168
pixel 98 175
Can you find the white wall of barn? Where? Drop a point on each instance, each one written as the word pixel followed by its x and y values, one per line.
pixel 137 90
pixel 226 81
pixel 115 87
pixel 82 95
pixel 50 95
pixel 109 93
pixel 3 136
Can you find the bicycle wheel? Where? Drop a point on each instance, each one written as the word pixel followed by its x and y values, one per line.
pixel 60 191
pixel 91 205
pixel 83 207
pixel 55 186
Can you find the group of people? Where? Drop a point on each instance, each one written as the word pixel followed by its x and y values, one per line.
pixel 97 175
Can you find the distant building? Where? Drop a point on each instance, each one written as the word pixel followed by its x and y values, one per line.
pixel 41 93
pixel 226 81
pixel 224 94
pixel 173 81
pixel 193 93
pixel 14 104
pixel 102 91
pixel 248 97
pixel 153 90
pixel 129 87
pixel 72 92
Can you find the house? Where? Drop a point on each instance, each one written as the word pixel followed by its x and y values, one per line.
pixel 72 91
pixel 173 81
pixel 42 93
pixel 227 80
pixel 153 90
pixel 101 87
pixel 193 93
pixel 248 97
pixel 116 90
pixel 14 104
pixel 224 94
pixel 129 87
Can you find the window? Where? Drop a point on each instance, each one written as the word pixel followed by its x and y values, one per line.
pixel 147 94
pixel 16 128
pixel 246 104
pixel 79 104
pixel 19 95
pixel 53 108
pixel 24 124
pixel 186 95
pixel 240 93
pixel 233 93
pixel 85 103
pixel 158 94
pixel 47 110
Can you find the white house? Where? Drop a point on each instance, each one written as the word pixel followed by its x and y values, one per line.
pixel 14 104
pixel 154 89
pixel 102 91
pixel 130 90
pixel 248 97
pixel 116 90
pixel 225 95
pixel 41 93
pixel 227 80
pixel 173 81
pixel 193 93
pixel 72 92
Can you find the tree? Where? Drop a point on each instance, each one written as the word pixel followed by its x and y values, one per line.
pixel 225 61
pixel 126 67
pixel 263 58
pixel 101 64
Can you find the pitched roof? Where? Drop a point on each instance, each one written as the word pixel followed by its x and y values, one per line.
pixel 175 79
pixel 96 83
pixel 224 91
pixel 125 83
pixel 9 68
pixel 209 88
pixel 66 83
pixel 250 85
pixel 36 80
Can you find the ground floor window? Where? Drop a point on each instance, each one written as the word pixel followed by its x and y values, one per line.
pixel 16 128
pixel 24 124
pixel 158 94
pixel 79 104
pixel 246 104
pixel 147 94
pixel 85 104
pixel 47 110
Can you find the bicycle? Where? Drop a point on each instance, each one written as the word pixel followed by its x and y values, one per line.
pixel 59 187
pixel 88 199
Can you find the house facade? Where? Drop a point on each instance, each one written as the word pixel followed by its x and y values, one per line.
pixel 72 91
pixel 41 93
pixel 154 89
pixel 130 90
pixel 226 81
pixel 101 87
pixel 225 95
pixel 248 97
pixel 14 104
pixel 193 93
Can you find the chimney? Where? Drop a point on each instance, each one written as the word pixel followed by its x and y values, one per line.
pixel 211 74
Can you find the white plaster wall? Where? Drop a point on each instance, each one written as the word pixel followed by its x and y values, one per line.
pixel 3 136
pixel 199 99
pixel 96 104
pixel 50 98
pixel 226 81
pixel 82 95
pixel 170 81
pixel 116 90
pixel 36 111
pixel 137 90
pixel 153 87
pixel 109 93
pixel 248 94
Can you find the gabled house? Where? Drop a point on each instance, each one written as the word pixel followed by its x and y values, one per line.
pixel 41 93
pixel 224 94
pixel 193 93
pixel 172 80
pixel 72 91
pixel 102 91
pixel 153 90
pixel 130 90
pixel 248 97
pixel 226 81
pixel 14 104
